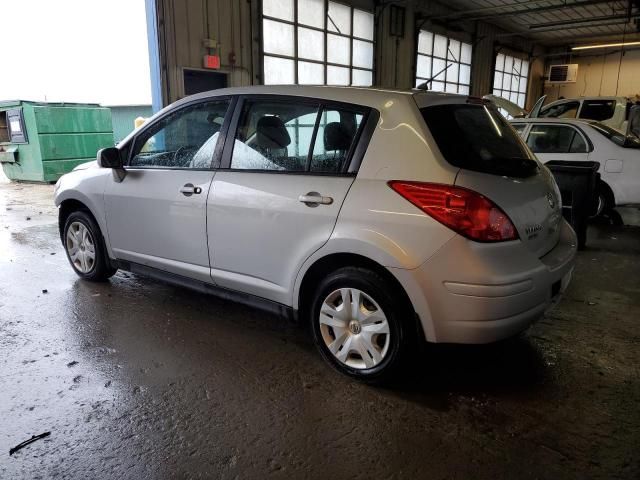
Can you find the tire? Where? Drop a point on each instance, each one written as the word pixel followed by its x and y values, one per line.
pixel 85 249
pixel 384 338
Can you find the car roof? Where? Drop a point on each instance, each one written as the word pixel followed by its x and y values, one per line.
pixel 367 96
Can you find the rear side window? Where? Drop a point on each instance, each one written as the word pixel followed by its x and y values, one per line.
pixel 476 137
pixel 284 136
pixel 598 109
pixel 555 139
pixel 560 110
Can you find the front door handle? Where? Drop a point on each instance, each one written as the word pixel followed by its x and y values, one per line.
pixel 313 199
pixel 189 189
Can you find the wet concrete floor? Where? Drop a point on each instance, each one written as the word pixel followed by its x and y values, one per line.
pixel 137 379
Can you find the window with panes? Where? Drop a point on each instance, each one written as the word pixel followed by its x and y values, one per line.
pixel 510 78
pixel 316 42
pixel 444 61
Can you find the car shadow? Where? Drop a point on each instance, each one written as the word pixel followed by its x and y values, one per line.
pixel 510 367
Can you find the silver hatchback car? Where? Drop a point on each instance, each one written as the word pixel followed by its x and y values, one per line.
pixel 382 218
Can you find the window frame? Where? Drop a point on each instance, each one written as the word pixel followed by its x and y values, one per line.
pixel 326 32
pixel 132 143
pixel 511 54
pixel 432 56
pixel 356 151
pixel 577 129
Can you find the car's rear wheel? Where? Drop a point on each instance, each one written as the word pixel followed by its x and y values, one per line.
pixel 359 324
pixel 85 248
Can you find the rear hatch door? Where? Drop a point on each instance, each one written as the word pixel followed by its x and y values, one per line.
pixel 495 162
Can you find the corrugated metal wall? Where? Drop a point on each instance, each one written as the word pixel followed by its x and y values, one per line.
pixel 235 24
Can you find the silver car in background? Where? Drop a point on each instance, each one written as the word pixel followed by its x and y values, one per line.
pixel 382 218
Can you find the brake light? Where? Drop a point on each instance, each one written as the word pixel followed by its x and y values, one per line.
pixel 464 211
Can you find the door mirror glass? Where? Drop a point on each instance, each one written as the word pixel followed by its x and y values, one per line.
pixel 110 158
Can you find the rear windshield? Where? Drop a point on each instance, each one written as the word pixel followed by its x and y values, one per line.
pixel 476 137
pixel 598 109
pixel 619 138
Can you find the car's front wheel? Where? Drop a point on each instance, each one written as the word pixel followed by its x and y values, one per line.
pixel 85 248
pixel 359 323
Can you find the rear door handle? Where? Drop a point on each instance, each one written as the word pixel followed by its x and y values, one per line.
pixel 189 189
pixel 313 199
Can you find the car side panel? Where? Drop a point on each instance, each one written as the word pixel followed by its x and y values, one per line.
pixel 87 186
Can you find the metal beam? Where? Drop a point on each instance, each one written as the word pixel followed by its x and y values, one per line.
pixel 529 33
pixel 562 23
pixel 546 8
pixel 495 8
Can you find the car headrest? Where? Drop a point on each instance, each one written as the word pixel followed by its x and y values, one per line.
pixel 336 137
pixel 271 133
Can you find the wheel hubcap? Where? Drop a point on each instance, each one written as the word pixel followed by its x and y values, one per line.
pixel 81 247
pixel 354 328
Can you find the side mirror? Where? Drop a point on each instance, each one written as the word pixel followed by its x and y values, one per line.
pixel 110 158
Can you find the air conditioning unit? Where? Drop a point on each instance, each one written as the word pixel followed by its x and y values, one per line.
pixel 563 73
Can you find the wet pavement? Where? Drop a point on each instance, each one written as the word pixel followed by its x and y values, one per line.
pixel 138 379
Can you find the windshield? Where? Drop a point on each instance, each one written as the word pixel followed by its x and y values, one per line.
pixel 617 137
pixel 476 137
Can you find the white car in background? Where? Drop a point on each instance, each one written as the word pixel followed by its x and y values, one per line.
pixel 609 111
pixel 579 140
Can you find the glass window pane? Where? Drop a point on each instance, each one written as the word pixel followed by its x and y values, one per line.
pixel 513 97
pixel 517 66
pixel 362 24
pixel 521 99
pixel 311 12
pixel 273 136
pixel 506 81
pixel 278 37
pixel 362 54
pixel 278 8
pixel 361 78
pixel 425 42
pixel 278 71
pixel 451 88
pixel 465 74
pixel 437 86
pixel 310 73
pixel 336 132
pixel 497 80
pixel 514 83
pixel 423 68
pixel 465 54
pixel 186 138
pixel 337 75
pixel 523 85
pixel 453 52
pixel 550 139
pixel 464 90
pixel 500 62
pixel 452 72
pixel 440 46
pixel 339 18
pixel 337 49
pixel 525 69
pixel 310 44
pixel 438 68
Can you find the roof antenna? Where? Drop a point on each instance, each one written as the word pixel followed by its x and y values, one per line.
pixel 426 85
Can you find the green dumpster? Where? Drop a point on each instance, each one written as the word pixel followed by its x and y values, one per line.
pixel 39 142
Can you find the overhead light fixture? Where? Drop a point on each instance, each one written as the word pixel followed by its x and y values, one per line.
pixel 606 45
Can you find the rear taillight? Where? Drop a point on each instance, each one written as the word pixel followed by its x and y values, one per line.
pixel 464 211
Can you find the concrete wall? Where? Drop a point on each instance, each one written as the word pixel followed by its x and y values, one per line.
pixel 236 25
pixel 600 74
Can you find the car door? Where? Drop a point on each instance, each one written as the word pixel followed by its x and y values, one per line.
pixel 558 141
pixel 278 194
pixel 156 216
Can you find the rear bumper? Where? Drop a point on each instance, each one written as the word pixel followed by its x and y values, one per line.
pixel 470 292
